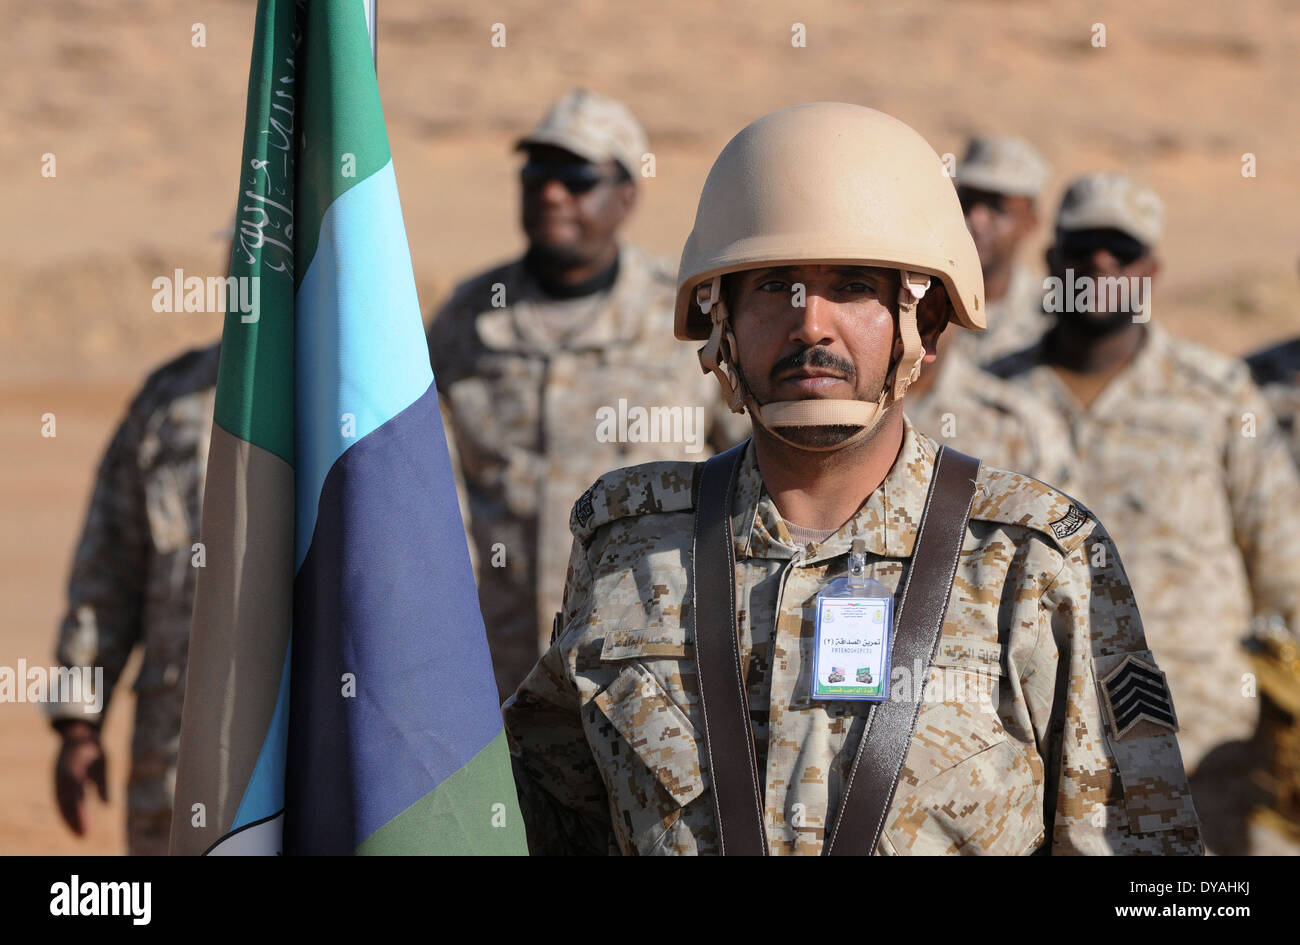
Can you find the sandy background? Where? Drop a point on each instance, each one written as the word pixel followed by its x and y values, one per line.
pixel 146 131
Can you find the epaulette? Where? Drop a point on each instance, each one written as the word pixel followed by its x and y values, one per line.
pixel 1208 368
pixel 645 489
pixel 1012 498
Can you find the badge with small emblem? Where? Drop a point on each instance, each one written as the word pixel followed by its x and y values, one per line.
pixel 584 511
pixel 1137 700
pixel 1070 523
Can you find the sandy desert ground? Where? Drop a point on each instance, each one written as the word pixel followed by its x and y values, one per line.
pixel 146 131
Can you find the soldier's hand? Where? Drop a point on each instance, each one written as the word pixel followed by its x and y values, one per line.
pixel 80 759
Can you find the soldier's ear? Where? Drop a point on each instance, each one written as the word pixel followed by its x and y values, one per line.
pixel 932 316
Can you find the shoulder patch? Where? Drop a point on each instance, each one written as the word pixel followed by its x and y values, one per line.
pixel 1137 699
pixel 1014 498
pixel 1070 522
pixel 633 491
pixel 583 511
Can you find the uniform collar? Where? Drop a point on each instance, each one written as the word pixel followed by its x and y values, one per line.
pixel 613 320
pixel 1137 379
pixel 887 521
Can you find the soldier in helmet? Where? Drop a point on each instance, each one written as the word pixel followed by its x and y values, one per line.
pixel 1175 447
pixel 675 712
pixel 557 366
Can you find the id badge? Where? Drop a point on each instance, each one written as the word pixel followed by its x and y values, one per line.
pixel 853 637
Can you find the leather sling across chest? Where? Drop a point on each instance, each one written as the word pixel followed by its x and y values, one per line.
pixel 725 732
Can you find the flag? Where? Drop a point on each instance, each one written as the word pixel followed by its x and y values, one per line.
pixel 340 696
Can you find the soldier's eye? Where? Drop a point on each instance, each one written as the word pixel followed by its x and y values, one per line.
pixel 772 285
pixel 860 288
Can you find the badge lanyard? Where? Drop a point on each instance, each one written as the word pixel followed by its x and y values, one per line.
pixel 851 644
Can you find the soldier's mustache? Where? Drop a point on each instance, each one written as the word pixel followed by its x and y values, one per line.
pixel 815 356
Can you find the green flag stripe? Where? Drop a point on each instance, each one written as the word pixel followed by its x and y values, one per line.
pixel 473 812
pixel 342 119
pixel 255 382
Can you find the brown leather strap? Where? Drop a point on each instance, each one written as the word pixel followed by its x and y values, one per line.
pixel 890 725
pixel 726 732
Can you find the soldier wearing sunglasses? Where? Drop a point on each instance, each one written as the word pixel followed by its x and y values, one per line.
pixel 1177 450
pixel 528 354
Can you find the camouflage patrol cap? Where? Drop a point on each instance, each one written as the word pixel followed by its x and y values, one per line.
pixel 1003 164
pixel 1106 200
pixel 593 127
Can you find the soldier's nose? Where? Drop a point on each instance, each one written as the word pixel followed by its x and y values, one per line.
pixel 812 321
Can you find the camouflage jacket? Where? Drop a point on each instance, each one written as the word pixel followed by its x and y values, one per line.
pixel 1015 321
pixel 1180 455
pixel 1014 751
pixel 1277 372
pixel 975 412
pixel 535 419
pixel 132 576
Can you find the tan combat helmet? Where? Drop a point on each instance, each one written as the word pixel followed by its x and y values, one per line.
pixel 835 184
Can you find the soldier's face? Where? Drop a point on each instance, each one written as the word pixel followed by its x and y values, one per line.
pixel 572 208
pixel 1102 256
pixel 998 223
pixel 806 332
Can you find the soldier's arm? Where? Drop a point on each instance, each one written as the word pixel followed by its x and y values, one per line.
pixel 561 793
pixel 1115 782
pixel 1264 492
pixel 106 587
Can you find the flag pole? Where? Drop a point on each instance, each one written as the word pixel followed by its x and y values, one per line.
pixel 372 24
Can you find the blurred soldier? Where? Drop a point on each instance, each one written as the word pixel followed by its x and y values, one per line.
pixel 1277 372
pixel 1177 450
pixel 964 407
pixel 132 584
pixel 999 181
pixel 557 366
pixel 683 709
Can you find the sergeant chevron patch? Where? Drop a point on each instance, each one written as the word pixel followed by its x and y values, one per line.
pixel 1137 700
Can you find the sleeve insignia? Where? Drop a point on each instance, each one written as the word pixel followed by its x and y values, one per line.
pixel 1070 523
pixel 583 511
pixel 1136 693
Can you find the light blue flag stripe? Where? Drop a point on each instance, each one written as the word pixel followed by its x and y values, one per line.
pixel 361 356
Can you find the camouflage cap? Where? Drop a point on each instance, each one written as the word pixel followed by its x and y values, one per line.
pixel 593 127
pixel 1003 164
pixel 1106 200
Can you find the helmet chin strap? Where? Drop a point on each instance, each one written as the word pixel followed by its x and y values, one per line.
pixel 718 356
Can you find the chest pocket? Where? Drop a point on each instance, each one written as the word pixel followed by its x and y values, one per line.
pixel 648 743
pixel 966 787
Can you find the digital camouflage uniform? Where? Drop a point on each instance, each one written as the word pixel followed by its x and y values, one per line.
pixel 523 408
pixel 1204 512
pixel 1277 372
pixel 975 412
pixel 133 580
pixel 604 729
